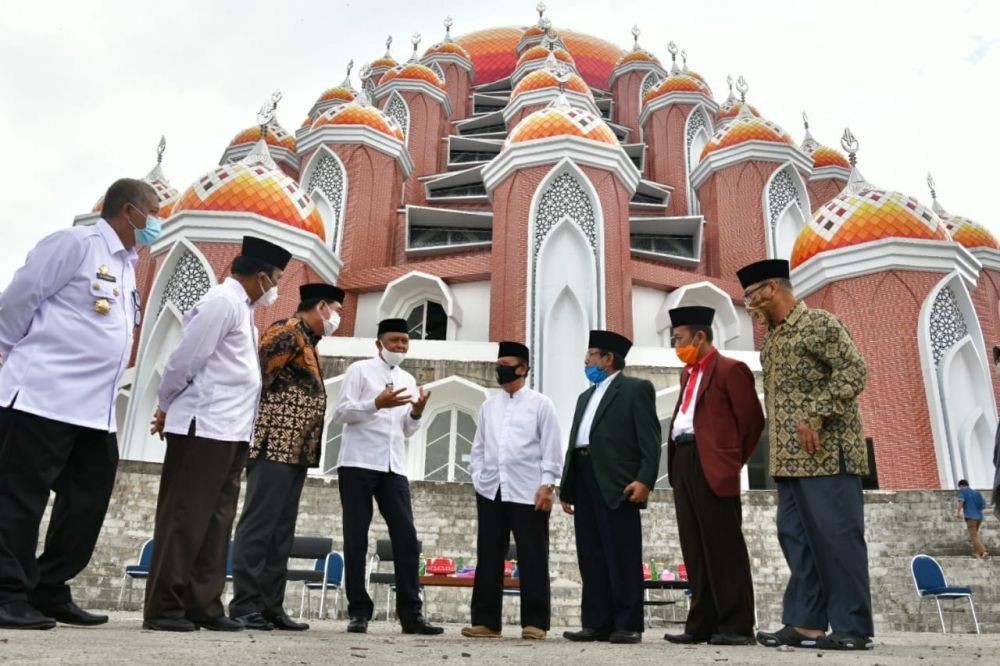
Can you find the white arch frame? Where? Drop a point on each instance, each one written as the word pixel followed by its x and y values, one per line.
pixel 726 325
pixel 642 85
pixel 406 107
pixel 705 133
pixel 565 165
pixel 449 393
pixel 335 222
pixel 947 444
pixel 805 215
pixel 410 290
pixel 332 386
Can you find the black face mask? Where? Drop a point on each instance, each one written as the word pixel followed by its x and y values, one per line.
pixel 507 374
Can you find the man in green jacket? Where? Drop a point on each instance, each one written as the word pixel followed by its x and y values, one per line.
pixel 611 465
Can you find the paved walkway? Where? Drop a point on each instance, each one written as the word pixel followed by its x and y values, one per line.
pixel 123 642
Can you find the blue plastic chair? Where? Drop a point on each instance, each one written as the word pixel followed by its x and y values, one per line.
pixel 138 570
pixel 332 568
pixel 928 577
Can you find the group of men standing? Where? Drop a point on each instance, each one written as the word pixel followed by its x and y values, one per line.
pixel 228 402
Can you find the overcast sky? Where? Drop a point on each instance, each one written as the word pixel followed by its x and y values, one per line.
pixel 87 88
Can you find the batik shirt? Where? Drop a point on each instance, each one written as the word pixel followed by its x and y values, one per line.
pixel 813 373
pixel 293 399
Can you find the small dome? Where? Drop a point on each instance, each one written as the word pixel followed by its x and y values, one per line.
pixel 545 78
pixel 358 114
pixel 561 119
pixel 533 31
pixel 276 136
pixel 165 192
pixel 413 71
pixel 869 215
pixel 337 93
pixel 823 156
pixel 640 55
pixel 971 235
pixel 676 83
pixel 385 61
pixel 252 187
pixel 540 53
pixel 449 48
pixel 744 128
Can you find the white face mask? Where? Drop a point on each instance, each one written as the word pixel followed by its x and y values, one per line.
pixel 393 358
pixel 332 324
pixel 270 297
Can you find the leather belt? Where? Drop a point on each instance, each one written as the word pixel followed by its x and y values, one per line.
pixel 683 440
pixel 582 450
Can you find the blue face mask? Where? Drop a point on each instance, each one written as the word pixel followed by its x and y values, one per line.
pixel 149 234
pixel 594 374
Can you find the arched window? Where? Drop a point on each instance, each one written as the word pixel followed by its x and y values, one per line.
pixel 448 446
pixel 427 321
pixel 331 446
pixel 648 83
pixel 396 109
pixel 326 182
pixel 786 202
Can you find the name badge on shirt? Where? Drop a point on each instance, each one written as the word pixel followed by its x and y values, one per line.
pixel 104 273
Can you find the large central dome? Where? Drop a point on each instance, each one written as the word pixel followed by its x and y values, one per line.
pixel 494 54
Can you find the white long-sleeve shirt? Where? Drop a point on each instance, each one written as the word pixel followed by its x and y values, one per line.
pixel 374 438
pixel 213 376
pixel 587 420
pixel 517 447
pixel 66 325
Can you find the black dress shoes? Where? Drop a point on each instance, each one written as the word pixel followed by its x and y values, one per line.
pixel 357 625
pixel 419 625
pixel 170 624
pixel 623 637
pixel 586 635
pixel 22 615
pixel 221 623
pixel 285 623
pixel 731 639
pixel 255 621
pixel 70 613
pixel 684 639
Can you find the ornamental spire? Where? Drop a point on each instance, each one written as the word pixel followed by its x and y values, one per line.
pixel 415 40
pixel 856 183
pixel 635 36
pixel 448 22
pixel 672 48
pixel 156 173
pixel 260 154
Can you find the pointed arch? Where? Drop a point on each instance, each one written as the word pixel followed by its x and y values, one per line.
pixel 563 338
pixel 565 248
pixel 440 449
pixel 436 68
pixel 396 108
pixel 786 210
pixel 648 83
pixel 184 276
pixel 325 180
pixel 697 133
pixel 960 398
pixel 409 291
pixel 726 326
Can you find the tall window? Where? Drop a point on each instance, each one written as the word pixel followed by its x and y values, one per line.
pixel 449 447
pixel 331 446
pixel 428 321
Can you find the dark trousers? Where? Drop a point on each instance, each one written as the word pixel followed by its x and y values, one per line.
pixel 39 455
pixel 264 537
pixel 497 519
pixel 609 550
pixel 715 553
pixel 821 529
pixel 358 487
pixel 199 488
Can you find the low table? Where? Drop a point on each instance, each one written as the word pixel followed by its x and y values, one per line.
pixel 463 581
pixel 676 585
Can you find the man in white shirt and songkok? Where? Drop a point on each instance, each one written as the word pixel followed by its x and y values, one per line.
pixel 380 407
pixel 516 458
pixel 208 400
pixel 66 326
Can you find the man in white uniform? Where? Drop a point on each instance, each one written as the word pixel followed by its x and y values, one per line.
pixel 516 458
pixel 66 325
pixel 380 407
pixel 207 406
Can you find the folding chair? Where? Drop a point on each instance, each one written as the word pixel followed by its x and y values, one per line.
pixel 928 578
pixel 138 570
pixel 383 553
pixel 332 569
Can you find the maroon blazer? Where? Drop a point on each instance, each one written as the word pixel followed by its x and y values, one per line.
pixel 728 421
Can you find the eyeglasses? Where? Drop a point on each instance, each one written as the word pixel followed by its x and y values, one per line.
pixel 136 308
pixel 748 294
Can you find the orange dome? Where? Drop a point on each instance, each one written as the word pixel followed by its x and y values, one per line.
pixel 494 54
pixel 746 128
pixel 276 136
pixel 539 52
pixel 676 83
pixel 253 188
pixel 384 61
pixel 544 78
pixel 413 71
pixel 826 157
pixel 337 93
pixel 970 234
pixel 448 48
pixel 562 121
pixel 356 114
pixel 731 108
pixel 533 31
pixel 869 215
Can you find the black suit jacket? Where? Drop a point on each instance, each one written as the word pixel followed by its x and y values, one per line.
pixel 624 440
